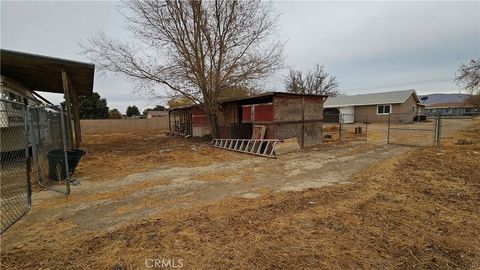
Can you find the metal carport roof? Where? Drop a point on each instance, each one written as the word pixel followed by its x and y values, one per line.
pixel 44 73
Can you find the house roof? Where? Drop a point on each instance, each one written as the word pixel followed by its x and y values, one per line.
pixel 393 97
pixel 43 73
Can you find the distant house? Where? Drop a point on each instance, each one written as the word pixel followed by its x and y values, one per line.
pixel 447 104
pixel 450 108
pixel 136 116
pixel 374 107
pixel 152 114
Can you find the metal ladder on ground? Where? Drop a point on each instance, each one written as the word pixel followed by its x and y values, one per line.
pixel 259 147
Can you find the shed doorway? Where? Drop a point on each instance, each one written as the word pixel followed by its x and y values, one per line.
pixel 331 115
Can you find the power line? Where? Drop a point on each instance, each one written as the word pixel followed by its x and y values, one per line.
pixel 402 84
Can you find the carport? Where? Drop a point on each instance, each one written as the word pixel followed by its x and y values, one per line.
pixel 53 75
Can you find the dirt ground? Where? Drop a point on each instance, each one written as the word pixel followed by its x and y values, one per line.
pixel 360 205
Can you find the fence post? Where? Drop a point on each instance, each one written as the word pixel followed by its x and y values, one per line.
pixel 340 120
pixel 388 128
pixel 366 127
pixel 65 150
pixel 438 134
pixel 27 157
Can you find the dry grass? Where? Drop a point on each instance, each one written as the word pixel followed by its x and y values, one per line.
pixel 416 211
pixel 116 155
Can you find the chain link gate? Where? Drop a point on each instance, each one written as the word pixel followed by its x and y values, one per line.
pixel 15 189
pixel 345 128
pixel 353 127
pixel 50 142
pixel 403 130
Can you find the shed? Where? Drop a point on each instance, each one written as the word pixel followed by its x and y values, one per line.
pixel 284 115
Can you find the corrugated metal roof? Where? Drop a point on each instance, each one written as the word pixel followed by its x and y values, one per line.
pixel 393 97
pixel 43 73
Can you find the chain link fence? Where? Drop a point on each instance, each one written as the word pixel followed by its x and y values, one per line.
pixel 50 141
pixel 404 130
pixel 423 130
pixel 451 126
pixel 15 186
pixel 345 128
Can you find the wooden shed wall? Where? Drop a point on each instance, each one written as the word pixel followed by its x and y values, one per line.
pixel 300 117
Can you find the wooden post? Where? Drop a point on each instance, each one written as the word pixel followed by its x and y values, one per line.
pixel 303 122
pixel 67 104
pixel 169 122
pixel 76 117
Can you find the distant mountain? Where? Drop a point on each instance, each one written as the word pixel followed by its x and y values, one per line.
pixel 443 98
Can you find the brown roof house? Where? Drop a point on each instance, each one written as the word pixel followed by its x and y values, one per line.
pixel 281 115
pixel 374 107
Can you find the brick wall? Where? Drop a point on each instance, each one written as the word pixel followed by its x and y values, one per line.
pixel 105 126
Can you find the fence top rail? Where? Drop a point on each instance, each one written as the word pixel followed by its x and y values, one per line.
pixel 55 108
pixel 8 100
pixel 404 113
pixel 458 116
pixel 256 140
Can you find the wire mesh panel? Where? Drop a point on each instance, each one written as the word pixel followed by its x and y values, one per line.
pixel 50 142
pixel 451 126
pixel 15 187
pixel 345 128
pixel 331 130
pixel 403 130
pixel 353 127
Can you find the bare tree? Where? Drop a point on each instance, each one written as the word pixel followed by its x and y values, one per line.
pixel 194 49
pixel 469 76
pixel 316 81
pixel 474 100
pixel 294 82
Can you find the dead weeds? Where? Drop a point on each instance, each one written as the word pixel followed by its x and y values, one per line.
pixel 115 155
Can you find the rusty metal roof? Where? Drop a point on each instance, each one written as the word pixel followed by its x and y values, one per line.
pixel 270 94
pixel 253 98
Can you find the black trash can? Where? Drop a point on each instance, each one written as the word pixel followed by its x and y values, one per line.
pixel 56 163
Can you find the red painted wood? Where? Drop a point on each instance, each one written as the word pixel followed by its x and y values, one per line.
pixel 224 132
pixel 263 112
pixel 246 113
pixel 200 120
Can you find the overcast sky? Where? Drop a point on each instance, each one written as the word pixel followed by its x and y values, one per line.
pixel 369 46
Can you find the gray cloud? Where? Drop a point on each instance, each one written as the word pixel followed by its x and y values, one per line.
pixel 362 43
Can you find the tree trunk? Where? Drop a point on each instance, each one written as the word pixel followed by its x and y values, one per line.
pixel 214 125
